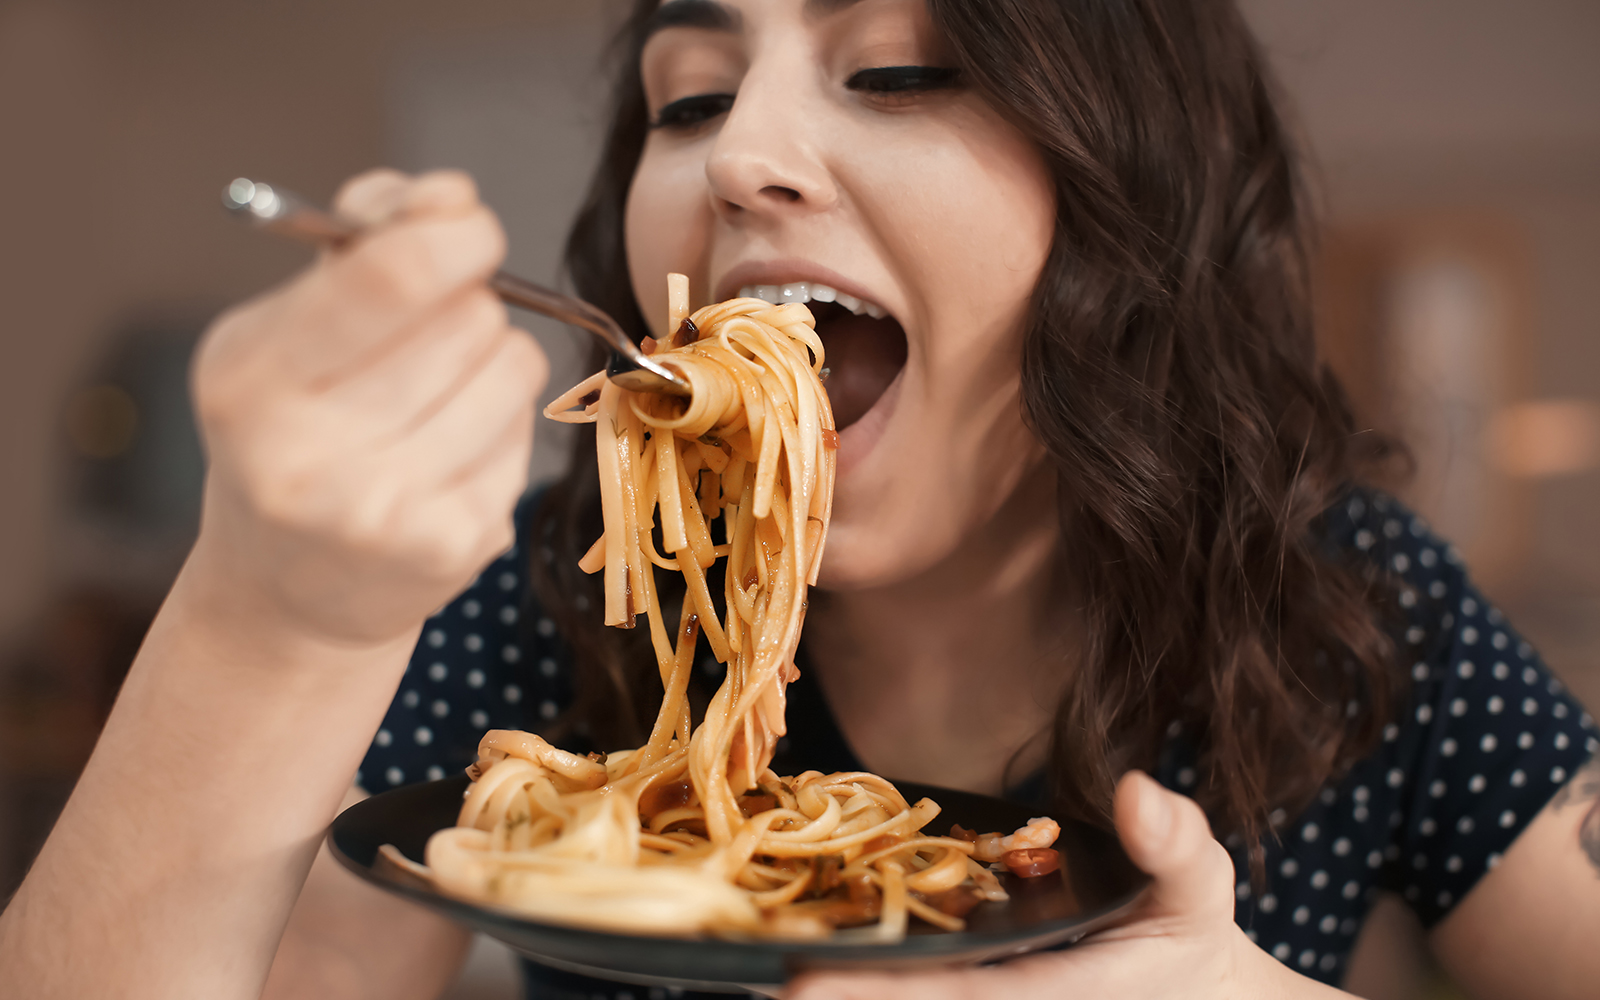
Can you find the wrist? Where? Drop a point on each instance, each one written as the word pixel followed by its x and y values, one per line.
pixel 233 740
pixel 218 603
pixel 220 634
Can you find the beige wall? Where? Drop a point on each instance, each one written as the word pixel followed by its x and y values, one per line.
pixel 1491 109
pixel 119 123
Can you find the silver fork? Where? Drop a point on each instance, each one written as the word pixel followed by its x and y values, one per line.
pixel 278 211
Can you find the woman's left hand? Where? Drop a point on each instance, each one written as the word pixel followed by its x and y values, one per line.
pixel 1180 941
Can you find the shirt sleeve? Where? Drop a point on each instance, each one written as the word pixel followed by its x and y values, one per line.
pixel 490 659
pixel 1489 735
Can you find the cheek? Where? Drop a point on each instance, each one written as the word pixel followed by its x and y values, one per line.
pixel 666 227
pixel 968 241
pixel 976 234
pixel 988 220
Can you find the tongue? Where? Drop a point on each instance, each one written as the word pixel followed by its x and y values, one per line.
pixel 864 356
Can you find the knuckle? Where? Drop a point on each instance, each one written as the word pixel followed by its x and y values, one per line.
pixel 278 496
pixel 364 522
pixel 396 269
pixel 213 404
pixel 494 234
pixel 212 376
pixel 500 535
pixel 475 242
pixel 365 195
pixel 478 235
pixel 442 188
pixel 482 311
pixel 444 552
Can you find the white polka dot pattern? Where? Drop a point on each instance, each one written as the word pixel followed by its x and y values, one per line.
pixel 1486 738
pixel 476 668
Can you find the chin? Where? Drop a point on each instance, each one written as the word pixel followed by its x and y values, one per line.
pixel 862 555
pixel 843 568
pixel 846 568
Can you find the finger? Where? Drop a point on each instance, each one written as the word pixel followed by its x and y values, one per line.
pixel 1168 837
pixel 469 491
pixel 432 498
pixel 379 197
pixel 872 986
pixel 440 192
pixel 1036 976
pixel 403 384
pixel 490 489
pixel 372 198
pixel 361 303
pixel 468 427
pixel 470 525
pixel 513 445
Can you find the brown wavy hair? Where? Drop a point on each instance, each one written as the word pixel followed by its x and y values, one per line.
pixel 1169 369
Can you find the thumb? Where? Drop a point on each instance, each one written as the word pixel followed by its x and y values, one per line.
pixel 1167 836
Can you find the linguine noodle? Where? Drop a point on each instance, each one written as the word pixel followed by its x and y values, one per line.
pixel 692 832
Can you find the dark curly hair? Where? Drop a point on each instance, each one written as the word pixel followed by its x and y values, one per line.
pixel 1169 369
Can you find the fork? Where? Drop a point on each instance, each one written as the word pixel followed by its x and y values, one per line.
pixel 281 212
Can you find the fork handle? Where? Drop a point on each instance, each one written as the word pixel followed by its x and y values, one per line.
pixel 286 214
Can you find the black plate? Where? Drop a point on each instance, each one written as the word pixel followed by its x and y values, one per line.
pixel 1096 883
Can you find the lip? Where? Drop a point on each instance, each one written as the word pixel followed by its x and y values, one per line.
pixel 784 270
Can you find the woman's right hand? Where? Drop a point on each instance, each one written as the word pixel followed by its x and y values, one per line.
pixel 368 424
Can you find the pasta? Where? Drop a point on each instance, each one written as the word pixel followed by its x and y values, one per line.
pixel 692 832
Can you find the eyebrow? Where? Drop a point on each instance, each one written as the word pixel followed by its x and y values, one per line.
pixel 819 8
pixel 708 15
pixel 712 15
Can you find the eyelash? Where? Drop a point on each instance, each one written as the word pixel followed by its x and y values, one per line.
pixel 884 81
pixel 690 112
pixel 902 79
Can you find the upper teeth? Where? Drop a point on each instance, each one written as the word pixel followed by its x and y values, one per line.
pixel 807 291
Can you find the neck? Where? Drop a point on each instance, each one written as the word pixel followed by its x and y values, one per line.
pixel 951 676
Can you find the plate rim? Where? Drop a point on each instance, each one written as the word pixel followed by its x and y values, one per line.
pixel 947 948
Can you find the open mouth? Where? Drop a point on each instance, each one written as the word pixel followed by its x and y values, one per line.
pixel 866 346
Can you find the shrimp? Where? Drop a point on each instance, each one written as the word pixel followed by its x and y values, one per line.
pixel 1041 831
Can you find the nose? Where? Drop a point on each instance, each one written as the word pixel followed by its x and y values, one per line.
pixel 764 161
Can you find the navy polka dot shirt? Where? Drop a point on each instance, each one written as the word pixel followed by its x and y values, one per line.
pixel 1486 740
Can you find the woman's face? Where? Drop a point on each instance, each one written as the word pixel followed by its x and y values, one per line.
pixel 806 143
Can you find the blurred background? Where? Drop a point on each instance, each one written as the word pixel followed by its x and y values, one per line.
pixel 1457 146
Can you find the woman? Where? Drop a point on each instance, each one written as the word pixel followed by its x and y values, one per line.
pixel 1094 513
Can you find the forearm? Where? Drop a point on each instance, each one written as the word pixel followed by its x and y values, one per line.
pixel 1527 928
pixel 347 940
pixel 180 853
pixel 368 426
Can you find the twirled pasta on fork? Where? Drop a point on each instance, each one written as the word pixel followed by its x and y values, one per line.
pixel 693 832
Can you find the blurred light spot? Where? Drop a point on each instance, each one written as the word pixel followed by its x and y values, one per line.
pixel 241 191
pixel 264 201
pixel 1545 438
pixel 102 421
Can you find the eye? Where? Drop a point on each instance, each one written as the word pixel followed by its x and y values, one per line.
pixel 688 112
pixel 902 79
